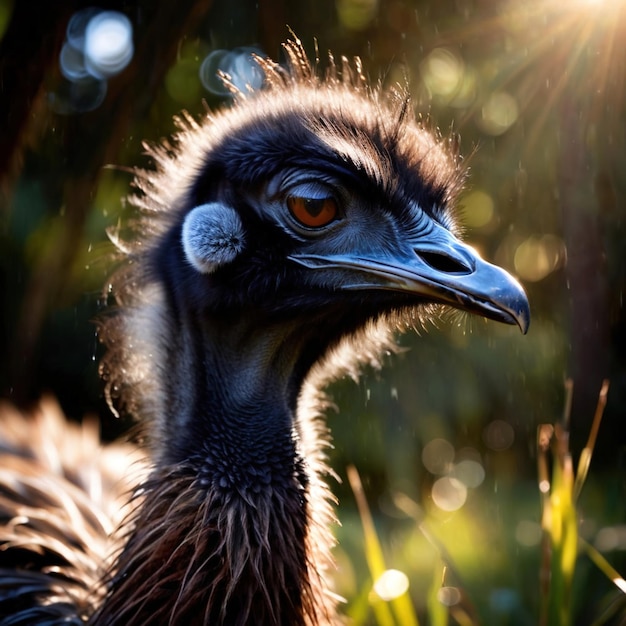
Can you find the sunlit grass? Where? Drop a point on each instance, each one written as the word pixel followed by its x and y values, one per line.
pixel 393 607
pixel 462 558
pixel 559 516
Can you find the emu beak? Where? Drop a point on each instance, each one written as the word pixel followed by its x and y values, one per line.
pixel 442 269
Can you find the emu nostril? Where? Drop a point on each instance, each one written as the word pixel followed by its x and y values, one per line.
pixel 443 263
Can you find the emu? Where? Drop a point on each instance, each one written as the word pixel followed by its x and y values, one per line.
pixel 283 242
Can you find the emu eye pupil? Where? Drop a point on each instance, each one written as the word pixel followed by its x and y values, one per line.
pixel 312 212
pixel 313 206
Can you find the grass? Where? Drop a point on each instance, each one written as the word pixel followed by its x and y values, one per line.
pixel 385 598
pixel 390 602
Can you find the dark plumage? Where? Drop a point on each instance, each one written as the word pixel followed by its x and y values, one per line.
pixel 283 241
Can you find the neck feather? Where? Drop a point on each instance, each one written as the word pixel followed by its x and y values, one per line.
pixel 231 528
pixel 208 557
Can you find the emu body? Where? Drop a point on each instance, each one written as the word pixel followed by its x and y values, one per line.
pixel 283 242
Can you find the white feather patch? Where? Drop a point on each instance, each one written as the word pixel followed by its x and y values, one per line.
pixel 212 236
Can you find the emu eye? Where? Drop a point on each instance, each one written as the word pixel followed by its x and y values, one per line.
pixel 312 212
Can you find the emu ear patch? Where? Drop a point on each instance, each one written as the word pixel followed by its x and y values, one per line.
pixel 212 236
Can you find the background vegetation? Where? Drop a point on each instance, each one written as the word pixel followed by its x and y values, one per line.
pixel 445 438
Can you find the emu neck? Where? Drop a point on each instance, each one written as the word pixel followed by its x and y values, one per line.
pixel 239 406
pixel 229 528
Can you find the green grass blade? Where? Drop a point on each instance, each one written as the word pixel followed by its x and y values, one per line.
pixel 401 605
pixel 563 533
pixel 437 612
pixel 604 566
pixel 585 456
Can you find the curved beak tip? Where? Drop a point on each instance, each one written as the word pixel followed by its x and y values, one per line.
pixel 510 300
pixel 515 302
pixel 522 316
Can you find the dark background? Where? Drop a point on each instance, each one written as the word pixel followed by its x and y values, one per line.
pixel 536 87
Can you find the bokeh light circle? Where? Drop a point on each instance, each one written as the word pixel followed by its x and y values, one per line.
pixel 478 209
pixel 498 113
pixel 538 256
pixel 449 494
pixel 471 473
pixel 391 584
pixel 442 72
pixel 239 65
pixel 437 456
pixel 108 43
pixel 449 596
pixel 498 435
pixel 77 25
pixel 72 63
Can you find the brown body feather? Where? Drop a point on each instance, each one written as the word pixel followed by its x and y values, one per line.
pixel 62 495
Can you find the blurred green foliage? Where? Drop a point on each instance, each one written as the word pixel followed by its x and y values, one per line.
pixel 536 90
